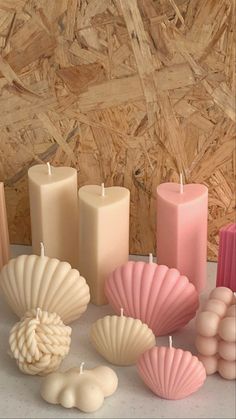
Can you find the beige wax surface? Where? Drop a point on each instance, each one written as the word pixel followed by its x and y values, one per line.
pixel 103 235
pixel 54 211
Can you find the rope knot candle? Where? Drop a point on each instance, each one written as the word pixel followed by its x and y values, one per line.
pixel 39 342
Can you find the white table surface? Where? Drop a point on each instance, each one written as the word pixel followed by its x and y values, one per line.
pixel 19 393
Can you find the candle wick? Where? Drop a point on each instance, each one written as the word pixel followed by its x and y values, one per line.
pixel 170 341
pixel 103 189
pixel 38 311
pixel 81 368
pixel 181 183
pixel 42 252
pixel 49 168
pixel 122 312
pixel 150 258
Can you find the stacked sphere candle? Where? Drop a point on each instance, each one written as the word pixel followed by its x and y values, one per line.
pixel 216 333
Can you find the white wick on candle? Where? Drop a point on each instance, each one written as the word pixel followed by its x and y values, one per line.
pixel 49 168
pixel 103 189
pixel 38 310
pixel 122 312
pixel 170 341
pixel 181 183
pixel 42 252
pixel 81 368
pixel 150 258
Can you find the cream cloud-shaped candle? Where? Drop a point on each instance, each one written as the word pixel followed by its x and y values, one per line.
pixel 216 333
pixel 80 388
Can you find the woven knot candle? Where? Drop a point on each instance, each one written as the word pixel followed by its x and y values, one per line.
pixel 39 342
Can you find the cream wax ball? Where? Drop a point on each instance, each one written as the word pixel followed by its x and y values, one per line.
pixel 227 369
pixel 207 323
pixel 206 346
pixel 223 294
pixel 216 306
pixel 227 350
pixel 227 329
pixel 210 363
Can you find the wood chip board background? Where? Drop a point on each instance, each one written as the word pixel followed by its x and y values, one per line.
pixel 130 92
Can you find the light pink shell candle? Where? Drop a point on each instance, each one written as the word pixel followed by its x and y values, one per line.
pixel 155 294
pixel 216 333
pixel 171 373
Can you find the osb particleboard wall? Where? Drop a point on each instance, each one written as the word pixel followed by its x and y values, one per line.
pixel 130 92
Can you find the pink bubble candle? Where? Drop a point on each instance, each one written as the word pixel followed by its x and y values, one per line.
pixel 216 333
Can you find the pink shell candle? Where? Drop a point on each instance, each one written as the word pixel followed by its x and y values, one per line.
pixel 226 268
pixel 171 373
pixel 155 294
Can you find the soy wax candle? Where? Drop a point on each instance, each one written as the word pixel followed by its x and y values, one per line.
pixel 182 229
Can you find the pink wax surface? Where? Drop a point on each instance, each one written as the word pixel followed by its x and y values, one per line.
pixel 182 230
pixel 226 268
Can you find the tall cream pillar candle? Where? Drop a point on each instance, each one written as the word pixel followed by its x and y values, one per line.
pixel 4 236
pixel 53 211
pixel 103 235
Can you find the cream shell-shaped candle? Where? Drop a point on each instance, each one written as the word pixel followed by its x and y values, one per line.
pixel 80 388
pixel 103 235
pixel 54 211
pixel 182 229
pixel 4 235
pixel 32 281
pixel 120 339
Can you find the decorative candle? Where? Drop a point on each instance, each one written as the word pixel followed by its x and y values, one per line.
pixel 31 281
pixel 84 389
pixel 155 294
pixel 121 340
pixel 103 234
pixel 54 211
pixel 39 342
pixel 4 236
pixel 226 268
pixel 182 229
pixel 216 333
pixel 171 373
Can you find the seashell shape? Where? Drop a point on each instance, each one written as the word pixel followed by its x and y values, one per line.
pixel 121 340
pixel 155 294
pixel 31 281
pixel 171 373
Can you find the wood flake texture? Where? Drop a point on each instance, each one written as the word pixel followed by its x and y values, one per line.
pixel 130 92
